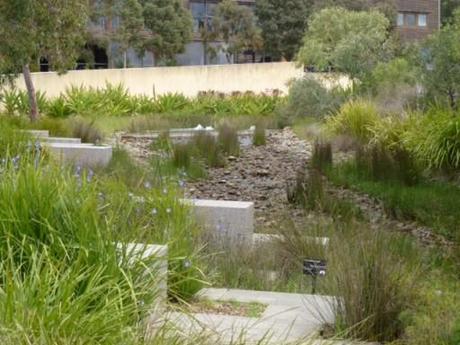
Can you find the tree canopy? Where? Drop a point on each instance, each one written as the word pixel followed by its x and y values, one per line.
pixel 440 63
pixel 170 27
pixel 283 24
pixel 347 41
pixel 30 30
pixel 235 26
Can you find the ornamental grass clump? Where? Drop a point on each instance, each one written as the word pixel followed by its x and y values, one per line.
pixel 228 140
pixel 355 119
pixel 373 283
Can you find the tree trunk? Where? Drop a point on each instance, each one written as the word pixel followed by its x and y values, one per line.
pixel 31 92
pixel 125 59
pixel 205 52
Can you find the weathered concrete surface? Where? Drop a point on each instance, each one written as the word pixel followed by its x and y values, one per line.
pixel 188 80
pixel 38 133
pixel 81 154
pixel 59 140
pixel 287 318
pixel 232 220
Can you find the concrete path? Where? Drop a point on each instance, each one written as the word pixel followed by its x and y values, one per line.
pixel 288 318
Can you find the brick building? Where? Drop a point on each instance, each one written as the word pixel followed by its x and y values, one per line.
pixel 417 19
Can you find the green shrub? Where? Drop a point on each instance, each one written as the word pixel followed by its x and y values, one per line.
pixel 170 102
pixel 58 108
pixel 86 131
pixel 208 149
pixel 435 140
pixel 185 158
pixel 56 126
pixel 430 203
pixel 260 137
pixel 307 190
pixel 308 97
pixel 381 164
pixel 228 140
pixel 355 119
pixel 372 284
pixel 322 155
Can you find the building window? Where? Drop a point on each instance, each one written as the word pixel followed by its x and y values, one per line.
pixel 400 20
pixel 422 20
pixel 411 19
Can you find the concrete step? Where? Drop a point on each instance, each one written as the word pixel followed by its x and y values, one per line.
pixel 85 155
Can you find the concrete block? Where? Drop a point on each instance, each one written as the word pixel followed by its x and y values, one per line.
pixel 82 154
pixel 228 219
pixel 158 255
pixel 57 140
pixel 38 133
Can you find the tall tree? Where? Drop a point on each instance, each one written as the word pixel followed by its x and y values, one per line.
pixel 130 33
pixel 440 63
pixel 234 25
pixel 350 42
pixel 30 30
pixel 448 8
pixel 170 27
pixel 387 7
pixel 283 24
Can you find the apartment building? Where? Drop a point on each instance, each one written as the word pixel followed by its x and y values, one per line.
pixel 416 19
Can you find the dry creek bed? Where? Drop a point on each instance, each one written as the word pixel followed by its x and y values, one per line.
pixel 261 173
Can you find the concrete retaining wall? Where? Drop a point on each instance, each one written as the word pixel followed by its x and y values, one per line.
pixel 188 80
pixel 232 220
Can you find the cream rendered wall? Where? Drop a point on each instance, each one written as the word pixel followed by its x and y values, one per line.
pixel 188 80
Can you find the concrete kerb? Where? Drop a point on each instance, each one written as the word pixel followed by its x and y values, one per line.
pixel 231 221
pixel 60 140
pixel 39 134
pixel 86 155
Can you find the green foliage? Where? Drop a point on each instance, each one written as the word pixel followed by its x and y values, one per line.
pixel 308 97
pixel 440 64
pixel 260 136
pixel 283 25
pixel 234 25
pixel 381 164
pixel 208 149
pixel 228 140
pixel 433 204
pixel 355 119
pixel 170 26
pixel 372 282
pixel 170 102
pixel 25 31
pixel 435 139
pixel 350 42
pixel 114 100
pixel 322 155
pixel 386 7
pixel 86 131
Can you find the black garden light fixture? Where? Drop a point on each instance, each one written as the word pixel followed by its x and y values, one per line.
pixel 314 268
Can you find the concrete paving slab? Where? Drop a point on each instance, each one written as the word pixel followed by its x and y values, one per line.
pixel 288 317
